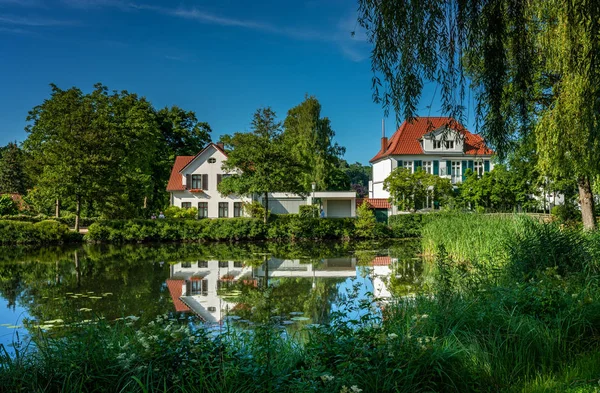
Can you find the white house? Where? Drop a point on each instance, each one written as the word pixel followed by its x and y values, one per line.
pixel 194 181
pixel 439 145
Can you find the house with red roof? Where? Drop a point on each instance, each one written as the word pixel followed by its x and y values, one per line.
pixel 194 180
pixel 438 145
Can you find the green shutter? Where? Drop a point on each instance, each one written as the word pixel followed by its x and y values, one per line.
pixel 418 164
pixel 464 170
pixel 436 167
pixel 449 168
pixel 486 166
pixel 471 165
pixel 400 164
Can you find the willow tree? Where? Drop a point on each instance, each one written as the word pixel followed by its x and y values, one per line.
pixel 531 64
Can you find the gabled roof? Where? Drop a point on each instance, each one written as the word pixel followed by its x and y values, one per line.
pixel 406 139
pixel 175 183
pixel 381 261
pixel 181 162
pixel 175 290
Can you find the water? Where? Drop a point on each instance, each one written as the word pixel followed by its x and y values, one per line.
pixel 54 289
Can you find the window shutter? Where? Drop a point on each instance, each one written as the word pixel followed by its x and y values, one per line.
pixel 400 164
pixel 486 166
pixel 436 167
pixel 188 181
pixel 464 169
pixel 418 164
pixel 205 182
pixel 219 178
pixel 472 165
pixel 449 167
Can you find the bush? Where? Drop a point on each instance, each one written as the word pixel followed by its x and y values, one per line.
pixel 564 213
pixel 7 205
pixel 254 209
pixel 43 232
pixel 309 211
pixel 365 221
pixel 407 225
pixel 178 212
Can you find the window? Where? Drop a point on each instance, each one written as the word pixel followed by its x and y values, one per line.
pixel 437 144
pixel 223 209
pixel 212 309
pixel 199 287
pixel 186 264
pixel 203 264
pixel 223 264
pixel 408 165
pixel 449 144
pixel 212 160
pixel 428 167
pixel 238 264
pixel 186 205
pixel 197 182
pixel 237 209
pixel 202 209
pixel 456 171
pixel 479 168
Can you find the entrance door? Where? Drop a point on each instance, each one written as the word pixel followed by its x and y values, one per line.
pixel 339 208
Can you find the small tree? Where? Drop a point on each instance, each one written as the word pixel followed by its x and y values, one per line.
pixel 409 191
pixel 7 205
pixel 260 162
pixel 365 221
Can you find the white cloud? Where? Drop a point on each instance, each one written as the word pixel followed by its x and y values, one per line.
pixel 32 21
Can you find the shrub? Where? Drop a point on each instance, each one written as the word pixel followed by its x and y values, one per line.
pixel 43 232
pixel 178 212
pixel 309 211
pixel 407 225
pixel 564 213
pixel 254 209
pixel 365 221
pixel 7 205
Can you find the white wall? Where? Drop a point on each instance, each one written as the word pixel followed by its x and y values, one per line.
pixel 201 166
pixel 439 136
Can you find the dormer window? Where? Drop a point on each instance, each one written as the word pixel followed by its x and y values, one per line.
pixel 437 144
pixel 449 144
pixel 212 160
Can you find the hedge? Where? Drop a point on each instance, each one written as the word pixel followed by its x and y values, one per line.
pixel 290 227
pixel 42 232
pixel 68 220
pixel 408 225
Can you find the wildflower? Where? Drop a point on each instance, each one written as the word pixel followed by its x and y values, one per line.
pixel 355 389
pixel 327 378
pixel 392 336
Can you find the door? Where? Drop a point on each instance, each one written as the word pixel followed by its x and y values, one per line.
pixel 336 208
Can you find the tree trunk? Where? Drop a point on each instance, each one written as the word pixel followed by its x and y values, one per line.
pixel 266 207
pixel 77 213
pixel 77 269
pixel 586 201
pixel 57 208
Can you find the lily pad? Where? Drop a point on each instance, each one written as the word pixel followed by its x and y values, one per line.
pixel 14 327
pixel 95 297
pixel 287 322
pixel 85 309
pixel 54 321
pixel 296 313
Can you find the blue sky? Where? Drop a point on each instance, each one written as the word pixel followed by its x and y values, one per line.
pixel 222 59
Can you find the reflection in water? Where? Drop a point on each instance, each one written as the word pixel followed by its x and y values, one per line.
pixel 249 282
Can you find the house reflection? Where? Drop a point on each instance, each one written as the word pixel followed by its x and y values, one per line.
pixel 204 287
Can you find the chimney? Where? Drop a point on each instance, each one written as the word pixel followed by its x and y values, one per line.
pixel 220 145
pixel 384 140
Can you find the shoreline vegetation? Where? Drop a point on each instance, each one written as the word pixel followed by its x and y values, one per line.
pixel 509 304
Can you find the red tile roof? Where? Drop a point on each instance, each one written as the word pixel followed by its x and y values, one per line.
pixel 175 288
pixel 381 261
pixel 181 162
pixel 374 203
pixel 406 139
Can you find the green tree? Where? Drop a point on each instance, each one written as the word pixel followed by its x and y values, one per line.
pixel 531 64
pixel 309 138
pixel 409 191
pixel 260 162
pixel 13 178
pixel 365 221
pixel 359 175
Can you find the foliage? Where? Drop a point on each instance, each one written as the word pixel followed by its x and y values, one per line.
pixel 259 161
pixel 7 205
pixel 309 140
pixel 496 191
pixel 13 178
pixel 365 221
pixel 42 232
pixel 178 212
pixel 308 211
pixel 531 66
pixel 407 225
pixel 564 213
pixel 254 209
pixel 409 191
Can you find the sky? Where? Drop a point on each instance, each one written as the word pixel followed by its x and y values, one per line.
pixel 221 59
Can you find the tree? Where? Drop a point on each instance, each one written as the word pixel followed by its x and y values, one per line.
pixel 532 66
pixel 365 221
pixel 260 162
pixel 309 138
pixel 409 191
pixel 95 149
pixel 13 179
pixel 359 175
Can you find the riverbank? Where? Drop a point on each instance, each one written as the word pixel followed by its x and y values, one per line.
pixel 525 320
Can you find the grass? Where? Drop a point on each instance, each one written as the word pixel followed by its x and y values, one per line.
pixel 515 310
